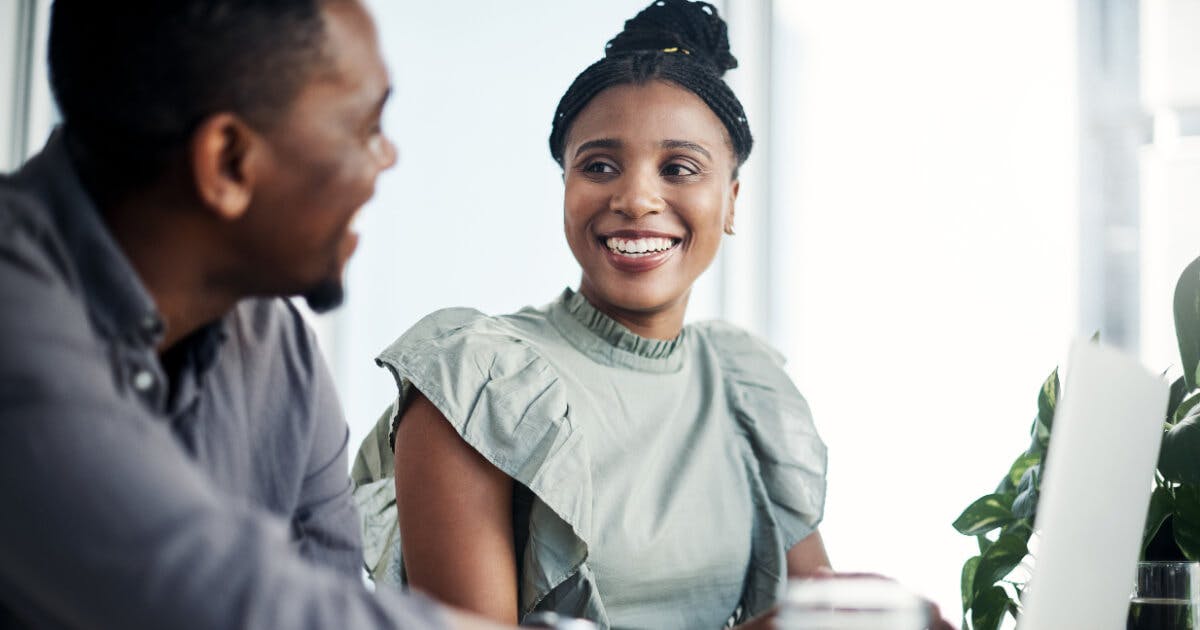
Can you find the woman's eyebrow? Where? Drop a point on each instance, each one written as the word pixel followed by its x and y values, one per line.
pixel 684 144
pixel 602 143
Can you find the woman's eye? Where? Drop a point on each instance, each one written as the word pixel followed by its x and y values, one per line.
pixel 599 167
pixel 678 170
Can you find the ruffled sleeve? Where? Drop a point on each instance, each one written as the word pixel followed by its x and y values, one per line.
pixel 779 427
pixel 489 381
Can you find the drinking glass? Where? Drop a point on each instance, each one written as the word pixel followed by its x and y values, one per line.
pixel 1166 596
pixel 554 621
pixel 851 603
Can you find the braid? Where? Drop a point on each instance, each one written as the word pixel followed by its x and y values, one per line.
pixel 692 26
pixel 685 43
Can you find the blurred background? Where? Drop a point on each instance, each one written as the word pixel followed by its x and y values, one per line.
pixel 943 194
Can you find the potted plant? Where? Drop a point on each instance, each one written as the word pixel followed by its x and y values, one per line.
pixel 1002 521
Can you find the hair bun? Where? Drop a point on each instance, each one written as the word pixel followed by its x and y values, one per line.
pixel 689 25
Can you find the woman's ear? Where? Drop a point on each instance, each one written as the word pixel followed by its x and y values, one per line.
pixel 223 154
pixel 729 214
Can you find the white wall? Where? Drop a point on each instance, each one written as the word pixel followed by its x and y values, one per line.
pixel 926 173
pixel 27 112
pixel 1170 167
pixel 10 89
pixel 472 215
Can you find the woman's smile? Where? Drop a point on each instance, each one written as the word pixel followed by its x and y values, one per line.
pixel 637 251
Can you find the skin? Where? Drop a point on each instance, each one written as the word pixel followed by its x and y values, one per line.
pixel 649 157
pixel 251 211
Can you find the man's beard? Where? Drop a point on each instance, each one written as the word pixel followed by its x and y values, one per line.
pixel 325 296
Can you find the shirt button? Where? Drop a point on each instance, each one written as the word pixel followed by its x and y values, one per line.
pixel 152 325
pixel 143 380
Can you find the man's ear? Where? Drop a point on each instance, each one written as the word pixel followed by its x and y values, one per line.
pixel 224 156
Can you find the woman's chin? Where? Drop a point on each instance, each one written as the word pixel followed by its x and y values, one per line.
pixel 643 296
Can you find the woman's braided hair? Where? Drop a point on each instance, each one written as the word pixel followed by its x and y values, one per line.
pixel 679 41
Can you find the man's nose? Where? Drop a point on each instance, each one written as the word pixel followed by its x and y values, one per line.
pixel 384 152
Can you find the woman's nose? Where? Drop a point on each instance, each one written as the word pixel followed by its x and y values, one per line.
pixel 639 197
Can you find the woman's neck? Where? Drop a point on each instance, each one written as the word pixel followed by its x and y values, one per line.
pixel 665 322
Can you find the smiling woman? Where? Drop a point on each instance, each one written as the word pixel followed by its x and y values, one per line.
pixel 596 457
pixel 647 201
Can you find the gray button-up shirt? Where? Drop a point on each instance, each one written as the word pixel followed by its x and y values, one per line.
pixel 219 499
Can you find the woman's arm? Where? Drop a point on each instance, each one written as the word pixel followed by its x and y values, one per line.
pixel 455 512
pixel 807 558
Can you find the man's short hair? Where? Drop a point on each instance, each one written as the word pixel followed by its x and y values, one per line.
pixel 134 79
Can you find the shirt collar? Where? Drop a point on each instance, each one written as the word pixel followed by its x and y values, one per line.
pixel 607 342
pixel 118 302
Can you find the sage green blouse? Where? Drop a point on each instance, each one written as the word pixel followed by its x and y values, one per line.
pixel 661 483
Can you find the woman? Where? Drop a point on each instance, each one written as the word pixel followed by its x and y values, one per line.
pixel 596 457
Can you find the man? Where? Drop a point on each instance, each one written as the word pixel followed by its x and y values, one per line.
pixel 172 453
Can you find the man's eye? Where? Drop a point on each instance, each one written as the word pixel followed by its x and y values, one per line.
pixel 599 167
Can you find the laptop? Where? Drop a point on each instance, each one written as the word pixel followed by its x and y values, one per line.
pixel 1096 488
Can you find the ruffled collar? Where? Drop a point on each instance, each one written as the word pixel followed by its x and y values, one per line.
pixel 607 341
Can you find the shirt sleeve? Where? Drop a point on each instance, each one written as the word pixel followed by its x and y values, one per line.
pixel 106 523
pixel 775 417
pixel 325 519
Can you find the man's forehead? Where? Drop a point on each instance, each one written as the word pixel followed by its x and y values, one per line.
pixel 350 52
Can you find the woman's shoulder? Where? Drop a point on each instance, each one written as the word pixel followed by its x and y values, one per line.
pixel 752 369
pixel 487 377
pixel 747 360
pixel 474 366
pixel 464 332
pixel 735 342
pixel 777 423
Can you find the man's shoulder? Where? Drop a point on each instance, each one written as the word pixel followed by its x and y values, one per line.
pixel 36 273
pixel 29 241
pixel 44 326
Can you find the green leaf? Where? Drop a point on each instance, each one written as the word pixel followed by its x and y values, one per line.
pixel 989 608
pixel 968 581
pixel 1021 528
pixel 998 561
pixel 1179 458
pixel 1042 436
pixel 1187 321
pixel 1179 391
pixel 1187 520
pixel 1185 407
pixel 985 514
pixel 1023 462
pixel 1048 399
pixel 1028 491
pixel 1161 507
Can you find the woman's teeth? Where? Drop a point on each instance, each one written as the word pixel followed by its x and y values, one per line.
pixel 639 246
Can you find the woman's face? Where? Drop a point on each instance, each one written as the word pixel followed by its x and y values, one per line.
pixel 649 190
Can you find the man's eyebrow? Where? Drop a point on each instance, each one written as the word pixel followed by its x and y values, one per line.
pixel 684 144
pixel 602 143
pixel 387 94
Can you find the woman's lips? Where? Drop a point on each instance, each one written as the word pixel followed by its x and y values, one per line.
pixel 637 252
